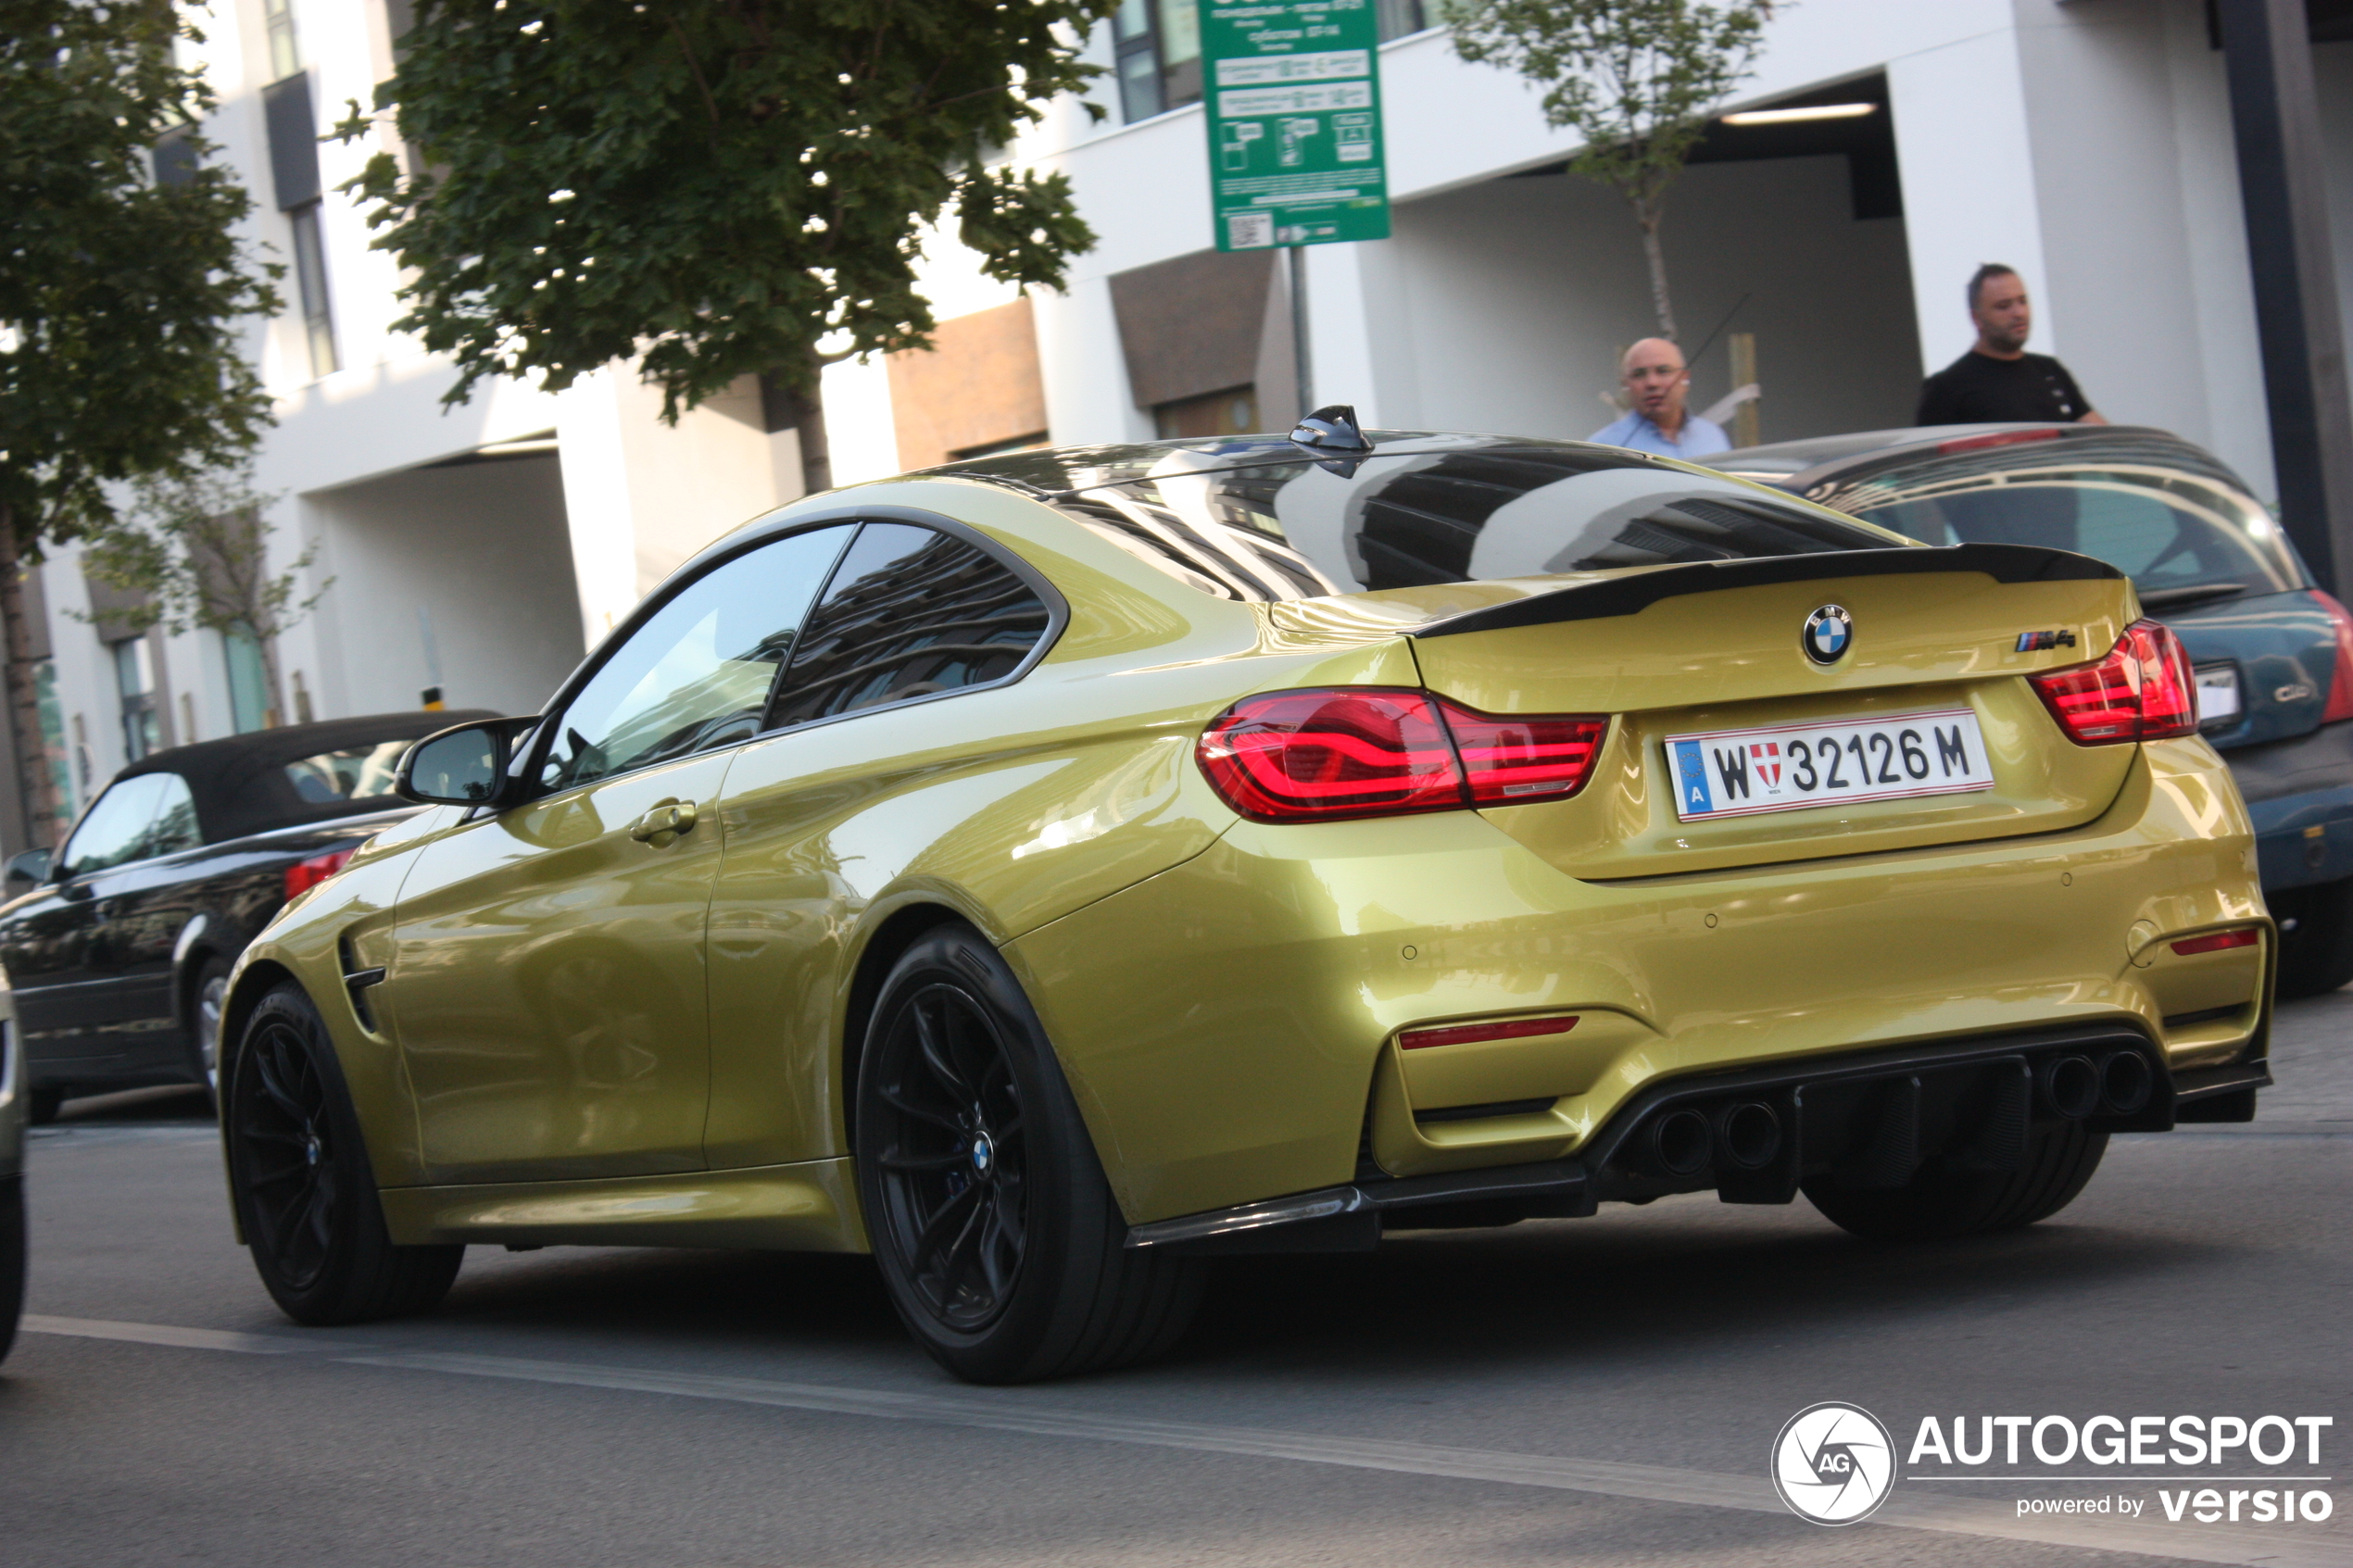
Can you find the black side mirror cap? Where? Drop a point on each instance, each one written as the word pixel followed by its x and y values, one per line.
pixel 464 765
pixel 32 866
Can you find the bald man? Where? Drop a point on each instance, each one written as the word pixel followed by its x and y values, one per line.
pixel 1656 382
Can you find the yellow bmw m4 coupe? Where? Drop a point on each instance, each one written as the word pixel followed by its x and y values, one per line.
pixel 1051 872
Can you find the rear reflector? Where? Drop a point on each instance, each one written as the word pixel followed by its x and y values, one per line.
pixel 1502 1029
pixel 2000 438
pixel 2143 690
pixel 2341 682
pixel 304 876
pixel 2245 936
pixel 1372 751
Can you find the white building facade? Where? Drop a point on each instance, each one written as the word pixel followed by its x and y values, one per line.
pixel 480 549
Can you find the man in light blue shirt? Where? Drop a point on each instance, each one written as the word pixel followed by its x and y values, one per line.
pixel 1657 382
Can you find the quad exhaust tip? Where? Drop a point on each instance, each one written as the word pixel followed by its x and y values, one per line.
pixel 1742 1135
pixel 2071 1086
pixel 2126 1084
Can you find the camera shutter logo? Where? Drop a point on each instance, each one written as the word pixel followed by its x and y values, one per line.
pixel 1833 1464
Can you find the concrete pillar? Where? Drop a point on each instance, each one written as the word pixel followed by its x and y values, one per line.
pixel 641 497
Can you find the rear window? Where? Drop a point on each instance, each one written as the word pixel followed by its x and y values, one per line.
pixel 2171 533
pixel 1271 529
pixel 362 773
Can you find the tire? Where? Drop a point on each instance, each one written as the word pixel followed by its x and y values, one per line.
pixel 997 1235
pixel 2316 952
pixel 11 1258
pixel 41 1103
pixel 299 1176
pixel 208 997
pixel 1943 1201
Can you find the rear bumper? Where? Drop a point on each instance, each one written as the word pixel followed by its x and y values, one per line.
pixel 2299 796
pixel 1868 1119
pixel 1229 1025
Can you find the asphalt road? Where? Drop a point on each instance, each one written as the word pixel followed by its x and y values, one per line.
pixel 1600 1391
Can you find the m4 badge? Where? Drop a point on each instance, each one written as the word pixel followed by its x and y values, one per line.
pixel 2035 642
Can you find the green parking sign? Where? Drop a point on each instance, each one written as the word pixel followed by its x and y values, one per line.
pixel 1293 94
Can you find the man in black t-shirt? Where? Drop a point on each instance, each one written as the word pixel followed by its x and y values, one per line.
pixel 1997 381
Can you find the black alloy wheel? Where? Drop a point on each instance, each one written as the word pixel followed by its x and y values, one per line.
pixel 305 1192
pixel 953 1174
pixel 998 1237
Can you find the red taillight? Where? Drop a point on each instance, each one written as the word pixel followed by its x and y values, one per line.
pixel 1509 760
pixel 2143 690
pixel 2245 936
pixel 1999 438
pixel 1371 751
pixel 1502 1029
pixel 304 876
pixel 2341 683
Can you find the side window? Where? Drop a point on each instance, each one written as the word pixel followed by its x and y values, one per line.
pixel 699 673
pixel 173 827
pixel 910 611
pixel 115 831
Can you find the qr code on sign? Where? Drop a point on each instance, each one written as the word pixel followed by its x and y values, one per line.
pixel 1250 230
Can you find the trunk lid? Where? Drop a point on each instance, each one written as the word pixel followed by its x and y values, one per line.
pixel 1703 650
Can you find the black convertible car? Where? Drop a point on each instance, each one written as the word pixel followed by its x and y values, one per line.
pixel 119 954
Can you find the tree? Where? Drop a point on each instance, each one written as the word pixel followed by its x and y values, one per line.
pixel 118 299
pixel 196 549
pixel 714 187
pixel 1635 78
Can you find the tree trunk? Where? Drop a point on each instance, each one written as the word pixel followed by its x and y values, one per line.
pixel 1647 212
pixel 808 405
pixel 35 780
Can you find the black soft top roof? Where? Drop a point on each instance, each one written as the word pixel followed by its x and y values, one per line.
pixel 240 782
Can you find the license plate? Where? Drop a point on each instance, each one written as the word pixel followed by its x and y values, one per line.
pixel 2218 692
pixel 1832 763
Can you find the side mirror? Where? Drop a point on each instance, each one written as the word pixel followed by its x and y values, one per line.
pixel 463 766
pixel 32 866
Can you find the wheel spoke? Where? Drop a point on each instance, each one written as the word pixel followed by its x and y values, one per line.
pixel 934 1054
pixel 935 1229
pixel 266 1072
pixel 936 1117
pixel 898 1159
pixel 963 1251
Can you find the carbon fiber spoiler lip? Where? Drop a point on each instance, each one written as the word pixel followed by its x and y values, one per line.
pixel 1637 592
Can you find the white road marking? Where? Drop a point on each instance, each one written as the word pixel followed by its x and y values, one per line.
pixel 1013 1411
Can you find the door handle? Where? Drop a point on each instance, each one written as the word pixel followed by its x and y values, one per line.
pixel 664 824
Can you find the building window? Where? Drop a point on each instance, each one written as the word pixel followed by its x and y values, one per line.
pixel 278 18
pixel 1156 50
pixel 1232 412
pixel 249 702
pixel 1398 18
pixel 134 676
pixel 310 281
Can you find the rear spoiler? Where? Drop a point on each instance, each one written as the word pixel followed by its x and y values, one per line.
pixel 1636 592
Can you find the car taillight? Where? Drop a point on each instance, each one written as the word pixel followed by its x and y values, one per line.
pixel 1999 438
pixel 2341 683
pixel 304 876
pixel 2143 690
pixel 1507 759
pixel 1371 751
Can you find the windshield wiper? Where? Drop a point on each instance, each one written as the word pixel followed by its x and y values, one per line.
pixel 2178 598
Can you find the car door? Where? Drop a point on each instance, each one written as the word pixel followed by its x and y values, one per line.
pixel 887 737
pixel 546 983
pixel 59 955
pixel 141 906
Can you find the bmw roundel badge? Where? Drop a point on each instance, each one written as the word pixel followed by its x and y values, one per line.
pixel 1828 633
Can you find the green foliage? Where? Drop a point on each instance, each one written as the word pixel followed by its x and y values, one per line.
pixel 196 549
pixel 119 354
pixel 722 186
pixel 1635 78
